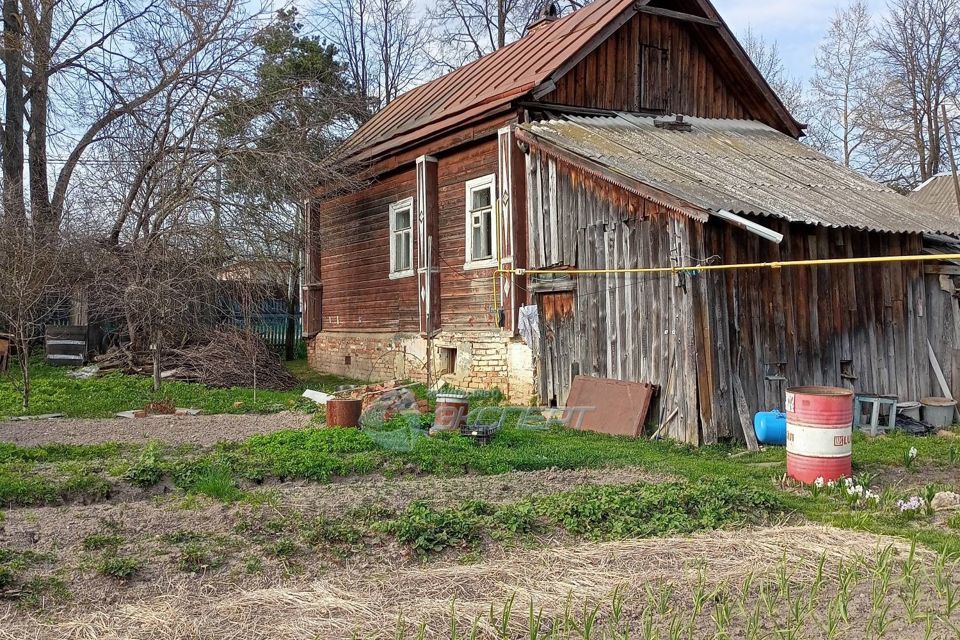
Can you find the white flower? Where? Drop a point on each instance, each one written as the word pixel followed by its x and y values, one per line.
pixel 818 482
pixel 912 453
pixel 832 484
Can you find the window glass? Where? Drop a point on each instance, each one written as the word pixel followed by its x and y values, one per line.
pixel 481 198
pixel 401 238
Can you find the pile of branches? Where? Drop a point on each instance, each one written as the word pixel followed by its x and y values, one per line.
pixel 221 358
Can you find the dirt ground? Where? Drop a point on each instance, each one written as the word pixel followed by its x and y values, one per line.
pixel 244 586
pixel 199 430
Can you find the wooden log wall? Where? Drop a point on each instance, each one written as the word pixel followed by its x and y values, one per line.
pixel 350 248
pixel 612 76
pixel 863 327
pixel 352 237
pixel 636 327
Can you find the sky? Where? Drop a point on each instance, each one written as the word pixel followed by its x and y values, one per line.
pixel 797 25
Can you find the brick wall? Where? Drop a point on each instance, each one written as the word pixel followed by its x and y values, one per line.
pixel 483 359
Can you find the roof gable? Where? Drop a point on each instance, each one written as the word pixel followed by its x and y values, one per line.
pixel 530 67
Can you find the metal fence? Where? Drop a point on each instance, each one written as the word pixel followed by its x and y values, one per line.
pixel 269 321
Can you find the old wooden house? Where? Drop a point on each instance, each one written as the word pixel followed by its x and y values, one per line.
pixel 627 135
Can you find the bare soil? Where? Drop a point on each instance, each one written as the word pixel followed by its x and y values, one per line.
pixel 198 430
pixel 213 570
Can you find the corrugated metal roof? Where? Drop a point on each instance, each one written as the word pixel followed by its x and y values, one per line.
pixel 741 166
pixel 939 194
pixel 495 79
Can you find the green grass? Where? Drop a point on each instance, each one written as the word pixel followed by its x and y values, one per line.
pixel 100 397
pixel 714 483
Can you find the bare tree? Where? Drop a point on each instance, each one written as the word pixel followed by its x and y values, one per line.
pixel 382 45
pixel 766 56
pixel 469 29
pixel 36 279
pixel 844 83
pixel 101 60
pixel 918 45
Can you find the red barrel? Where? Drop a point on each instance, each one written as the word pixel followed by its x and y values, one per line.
pixel 819 433
pixel 344 413
pixel 451 413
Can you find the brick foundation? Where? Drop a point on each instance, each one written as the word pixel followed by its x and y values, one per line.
pixel 483 359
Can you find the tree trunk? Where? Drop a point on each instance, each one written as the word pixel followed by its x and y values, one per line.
pixel 23 358
pixel 14 209
pixel 39 93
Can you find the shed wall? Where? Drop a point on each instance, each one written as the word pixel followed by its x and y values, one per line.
pixel 864 327
pixel 636 327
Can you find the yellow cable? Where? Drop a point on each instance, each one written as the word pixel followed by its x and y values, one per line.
pixel 727 267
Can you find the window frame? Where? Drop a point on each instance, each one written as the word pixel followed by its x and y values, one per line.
pixel 395 207
pixel 470 186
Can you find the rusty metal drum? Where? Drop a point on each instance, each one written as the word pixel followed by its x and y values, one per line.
pixel 819 433
pixel 344 412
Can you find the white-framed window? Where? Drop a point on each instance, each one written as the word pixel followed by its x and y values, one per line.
pixel 481 223
pixel 401 238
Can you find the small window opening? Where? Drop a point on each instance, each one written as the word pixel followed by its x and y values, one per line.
pixel 347 360
pixel 447 362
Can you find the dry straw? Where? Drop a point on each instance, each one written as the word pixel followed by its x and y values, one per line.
pixel 368 604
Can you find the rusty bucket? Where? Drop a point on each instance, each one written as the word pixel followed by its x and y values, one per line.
pixel 344 413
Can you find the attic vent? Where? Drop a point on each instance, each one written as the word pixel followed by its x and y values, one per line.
pixel 676 124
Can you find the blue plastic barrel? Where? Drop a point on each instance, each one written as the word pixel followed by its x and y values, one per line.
pixel 771 427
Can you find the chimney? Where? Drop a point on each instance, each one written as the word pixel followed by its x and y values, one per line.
pixel 677 124
pixel 549 12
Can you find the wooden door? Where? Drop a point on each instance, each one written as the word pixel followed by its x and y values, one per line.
pixel 558 346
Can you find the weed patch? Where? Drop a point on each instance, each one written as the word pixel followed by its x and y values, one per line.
pixel 101 541
pixel 119 567
pixel 148 469
pixel 645 510
pixel 429 530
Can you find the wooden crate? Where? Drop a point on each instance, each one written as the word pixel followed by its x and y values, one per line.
pixel 67 346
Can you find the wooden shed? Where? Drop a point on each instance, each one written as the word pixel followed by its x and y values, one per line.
pixel 622 192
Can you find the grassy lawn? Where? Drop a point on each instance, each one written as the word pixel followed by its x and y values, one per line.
pixel 55 392
pixel 706 488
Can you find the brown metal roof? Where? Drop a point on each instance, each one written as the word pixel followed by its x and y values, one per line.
pixel 494 81
pixel 939 194
pixel 740 166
